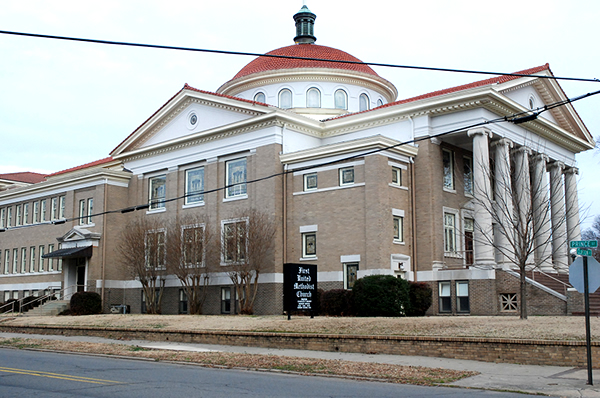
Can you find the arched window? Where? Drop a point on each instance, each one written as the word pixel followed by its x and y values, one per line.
pixel 285 99
pixel 260 97
pixel 379 102
pixel 313 98
pixel 363 103
pixel 341 99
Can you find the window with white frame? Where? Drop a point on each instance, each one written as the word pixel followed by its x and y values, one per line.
pixel 313 98
pixel 6 295
pixel 15 264
pixel 192 237
pixel 6 261
pixel 350 275
pixel 363 102
pixel 183 302
pixel 450 233
pixel 36 212
pixel 155 249
pixel 448 163
pixel 53 208
pixel 59 261
pixel 3 217
pixel 50 260
pixel 225 300
pixel 341 99
pixel 260 97
pixel 310 181
pixel 445 299
pixel 469 226
pixel 285 99
pixel 61 207
pixel 9 217
pixel 82 216
pixel 309 244
pixel 397 176
pixel 234 241
pixel 379 102
pixel 194 186
pixel 468 175
pixel 18 219
pixel 347 175
pixel 236 177
pixel 43 211
pixel 398 229
pixel 23 259
pixel 90 210
pixel 41 259
pixel 462 296
pixel 157 193
pixel 32 259
pixel 25 213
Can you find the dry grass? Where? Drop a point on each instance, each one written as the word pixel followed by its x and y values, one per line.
pixel 547 328
pixel 307 366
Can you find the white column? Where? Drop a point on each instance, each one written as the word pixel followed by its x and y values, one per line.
pixel 572 204
pixel 541 214
pixel 522 202
pixel 559 216
pixel 504 233
pixel 482 192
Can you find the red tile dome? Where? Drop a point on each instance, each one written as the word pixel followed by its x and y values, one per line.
pixel 265 64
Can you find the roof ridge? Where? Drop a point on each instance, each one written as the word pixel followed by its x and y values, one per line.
pixel 83 166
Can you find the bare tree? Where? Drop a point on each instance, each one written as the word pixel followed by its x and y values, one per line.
pixel 192 252
pixel 593 233
pixel 246 244
pixel 518 204
pixel 142 250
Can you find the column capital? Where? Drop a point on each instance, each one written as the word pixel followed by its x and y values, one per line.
pixel 556 164
pixel 540 157
pixel 503 142
pixel 571 170
pixel 480 131
pixel 522 149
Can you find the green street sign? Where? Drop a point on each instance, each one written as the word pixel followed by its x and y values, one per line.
pixel 583 243
pixel 584 252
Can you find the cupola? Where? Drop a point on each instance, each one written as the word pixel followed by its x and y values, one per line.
pixel 305 26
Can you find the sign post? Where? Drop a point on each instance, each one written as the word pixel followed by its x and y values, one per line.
pixel 575 278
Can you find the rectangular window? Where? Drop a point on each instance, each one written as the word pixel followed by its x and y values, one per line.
pixel 183 302
pixel 468 175
pixel 310 181
pixel 236 177
pixel 61 207
pixel 462 296
pixel 3 217
pixel 448 161
pixel 18 220
pixel 23 259
pixel 15 265
pixel 50 260
pixel 225 300
pixel 41 259
pixel 90 210
pixel 60 261
pixel 444 296
pixel 469 226
pixel 309 244
pixel 82 212
pixel 25 213
pixel 194 186
pixel 15 294
pixel 9 217
pixel 32 259
pixel 350 275
pixel 36 212
pixel 234 241
pixel 193 245
pixel 155 249
pixel 53 208
pixel 43 210
pixel 6 296
pixel 6 261
pixel 399 229
pixel 449 233
pixel 347 176
pixel 397 176
pixel 157 192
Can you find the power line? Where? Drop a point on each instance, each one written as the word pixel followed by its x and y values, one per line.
pixel 204 50
pixel 516 118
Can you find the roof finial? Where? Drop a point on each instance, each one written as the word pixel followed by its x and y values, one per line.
pixel 305 22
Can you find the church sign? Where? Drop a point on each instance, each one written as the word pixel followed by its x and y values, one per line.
pixel 299 287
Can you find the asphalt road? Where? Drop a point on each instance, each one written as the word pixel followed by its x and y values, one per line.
pixel 46 374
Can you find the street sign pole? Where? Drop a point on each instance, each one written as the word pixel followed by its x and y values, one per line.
pixel 588 343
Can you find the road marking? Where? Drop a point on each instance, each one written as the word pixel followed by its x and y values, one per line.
pixel 57 376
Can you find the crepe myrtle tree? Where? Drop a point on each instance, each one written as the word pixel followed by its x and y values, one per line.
pixel 522 228
pixel 246 245
pixel 192 254
pixel 142 250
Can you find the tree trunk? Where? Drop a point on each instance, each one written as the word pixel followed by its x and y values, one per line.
pixel 523 306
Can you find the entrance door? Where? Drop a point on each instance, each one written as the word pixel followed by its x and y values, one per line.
pixel 80 274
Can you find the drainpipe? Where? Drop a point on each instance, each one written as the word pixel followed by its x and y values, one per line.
pixel 412 205
pixel 104 240
pixel 284 201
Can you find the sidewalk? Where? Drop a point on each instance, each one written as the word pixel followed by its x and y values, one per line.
pixel 547 380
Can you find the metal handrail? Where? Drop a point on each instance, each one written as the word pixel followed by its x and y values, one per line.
pixel 565 285
pixel 58 294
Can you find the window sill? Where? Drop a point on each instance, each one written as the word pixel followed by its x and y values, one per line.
pixel 360 184
pixel 161 210
pixel 308 258
pixel 398 186
pixel 87 225
pixel 399 242
pixel 449 190
pixel 452 255
pixel 234 198
pixel 187 206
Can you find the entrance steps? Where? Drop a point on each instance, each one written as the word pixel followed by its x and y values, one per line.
pixel 51 308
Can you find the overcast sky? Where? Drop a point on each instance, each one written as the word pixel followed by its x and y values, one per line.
pixel 63 104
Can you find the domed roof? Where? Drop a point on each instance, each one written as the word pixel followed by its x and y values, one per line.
pixel 265 64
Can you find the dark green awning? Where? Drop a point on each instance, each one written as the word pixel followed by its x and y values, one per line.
pixel 71 252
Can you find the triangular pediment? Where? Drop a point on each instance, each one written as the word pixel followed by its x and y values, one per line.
pixel 78 234
pixel 187 114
